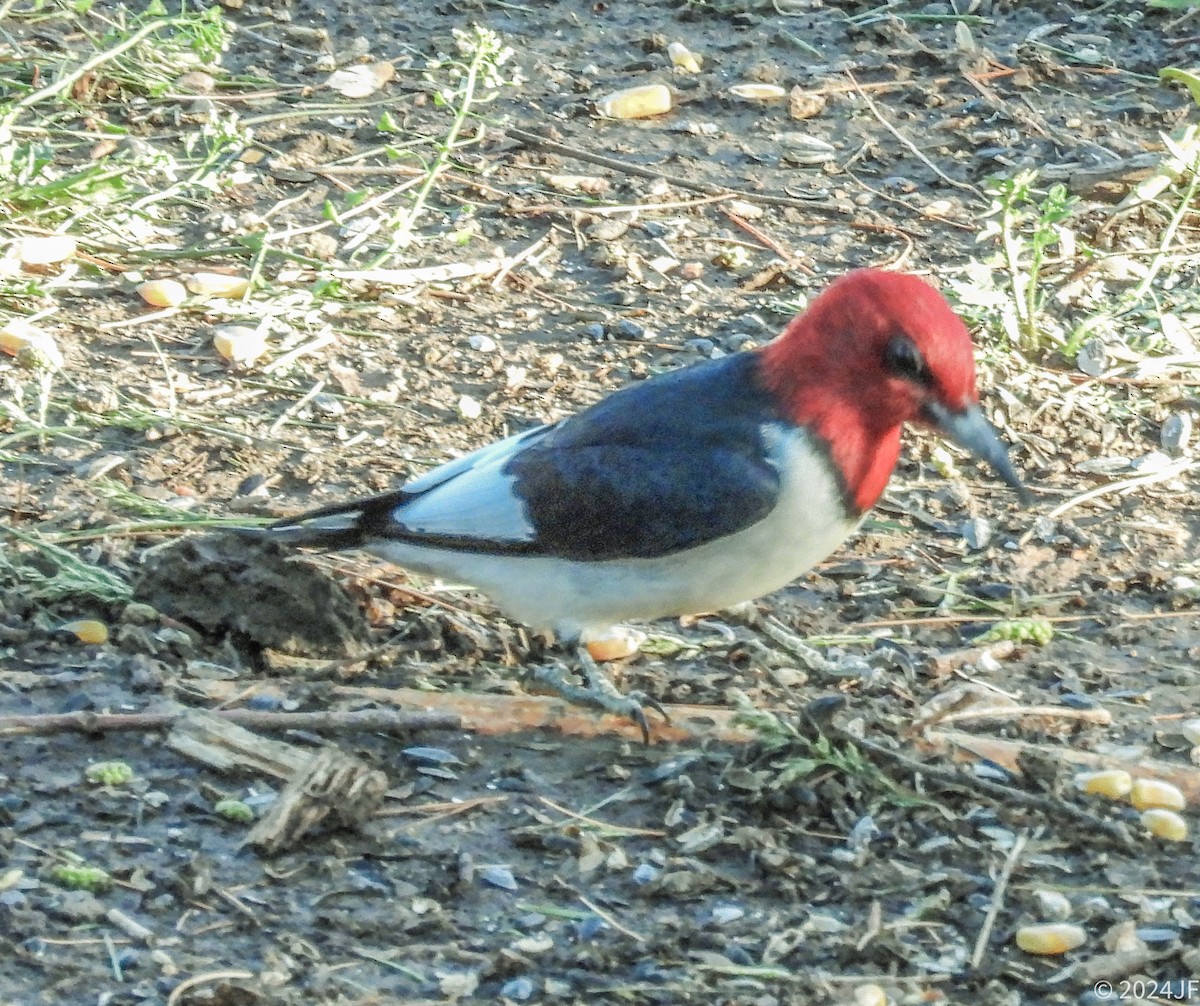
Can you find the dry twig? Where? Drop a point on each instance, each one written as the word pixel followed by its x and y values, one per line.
pixel 393 721
pixel 997 902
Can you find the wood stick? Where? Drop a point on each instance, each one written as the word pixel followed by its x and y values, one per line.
pixel 379 720
pixel 502 714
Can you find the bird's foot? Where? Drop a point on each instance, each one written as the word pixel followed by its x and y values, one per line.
pixel 599 692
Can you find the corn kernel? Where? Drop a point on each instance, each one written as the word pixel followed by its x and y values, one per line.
pixel 1114 783
pixel 216 284
pixel 239 344
pixel 683 58
pixel 32 346
pixel 616 644
pixel 758 92
pixel 870 995
pixel 162 292
pixel 87 630
pixel 46 250
pixel 1050 938
pixel 1165 824
pixel 1147 794
pixel 635 102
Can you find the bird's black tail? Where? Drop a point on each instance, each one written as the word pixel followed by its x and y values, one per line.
pixel 335 527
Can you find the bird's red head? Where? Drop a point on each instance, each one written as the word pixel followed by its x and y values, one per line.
pixel 874 351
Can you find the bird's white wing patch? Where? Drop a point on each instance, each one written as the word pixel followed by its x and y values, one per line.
pixel 478 501
pixel 500 451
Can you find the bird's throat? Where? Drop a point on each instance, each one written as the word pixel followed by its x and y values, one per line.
pixel 863 457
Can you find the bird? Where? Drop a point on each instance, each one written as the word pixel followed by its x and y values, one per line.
pixel 692 491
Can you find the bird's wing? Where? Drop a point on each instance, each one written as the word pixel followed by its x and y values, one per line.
pixel 590 503
pixel 651 470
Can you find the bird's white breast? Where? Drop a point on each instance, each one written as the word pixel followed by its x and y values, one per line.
pixel 569 596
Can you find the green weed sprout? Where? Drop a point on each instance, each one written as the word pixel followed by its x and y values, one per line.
pixel 1026 227
pixel 462 85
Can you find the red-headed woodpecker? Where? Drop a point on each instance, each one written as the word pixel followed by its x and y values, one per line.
pixel 692 491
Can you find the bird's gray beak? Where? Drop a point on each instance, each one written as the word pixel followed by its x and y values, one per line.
pixel 969 429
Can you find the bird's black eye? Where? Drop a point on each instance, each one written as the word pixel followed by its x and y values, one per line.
pixel 903 359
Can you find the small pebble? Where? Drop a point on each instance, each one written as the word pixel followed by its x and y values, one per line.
pixel 517 989
pixel 1184 591
pixel 1191 730
pixel 1176 433
pixel 1157 934
pixel 985 769
pixel 499 876
pixel 627 330
pixel 196 82
pixel 482 343
pixel 1092 358
pixel 702 347
pixel 805 149
pixel 35 946
pixel 1105 466
pixel 977 532
pixel 587 928
pixel 722 915
pixel 615 644
pixel 644 874
pixel 593 332
pixel 537 943
pixel 252 485
pixel 608 229
pixel 898 183
pixel 328 405
pixel 138 613
pixel 1053 905
pixel 432 756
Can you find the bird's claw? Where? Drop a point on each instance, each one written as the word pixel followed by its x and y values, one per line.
pixel 600 693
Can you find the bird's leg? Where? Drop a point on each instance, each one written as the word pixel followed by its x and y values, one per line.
pixel 599 692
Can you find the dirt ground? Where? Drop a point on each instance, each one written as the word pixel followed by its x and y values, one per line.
pixel 531 865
